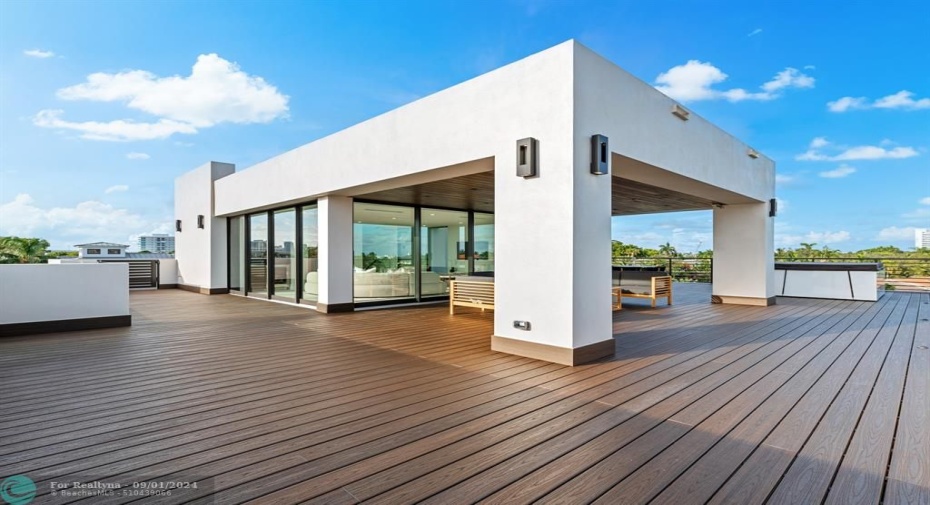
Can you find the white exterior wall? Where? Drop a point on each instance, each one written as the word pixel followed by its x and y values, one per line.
pixel 201 252
pixel 167 271
pixel 744 261
pixel 477 119
pixel 34 293
pixel 638 120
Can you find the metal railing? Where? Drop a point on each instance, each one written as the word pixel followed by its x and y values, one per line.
pixel 687 269
pixel 680 269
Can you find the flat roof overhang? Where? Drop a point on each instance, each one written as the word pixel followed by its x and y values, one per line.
pixel 637 188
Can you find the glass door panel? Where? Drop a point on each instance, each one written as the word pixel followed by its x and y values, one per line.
pixel 484 244
pixel 258 254
pixel 383 252
pixel 285 254
pixel 443 246
pixel 310 254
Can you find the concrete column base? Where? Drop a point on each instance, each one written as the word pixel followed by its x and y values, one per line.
pixel 332 308
pixel 743 300
pixel 554 354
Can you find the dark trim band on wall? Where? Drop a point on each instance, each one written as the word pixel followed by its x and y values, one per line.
pixel 88 323
pixel 203 291
pixel 330 308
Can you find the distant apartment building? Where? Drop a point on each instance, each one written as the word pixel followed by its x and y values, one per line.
pixel 157 243
pixel 922 238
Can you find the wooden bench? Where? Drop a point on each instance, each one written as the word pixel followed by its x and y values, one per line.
pixel 464 293
pixel 660 287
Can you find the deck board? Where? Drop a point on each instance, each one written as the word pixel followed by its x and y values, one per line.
pixel 806 400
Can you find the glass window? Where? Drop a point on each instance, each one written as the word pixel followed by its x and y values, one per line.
pixel 443 246
pixel 258 254
pixel 383 252
pixel 285 254
pixel 309 254
pixel 93 251
pixel 484 244
pixel 114 251
pixel 236 253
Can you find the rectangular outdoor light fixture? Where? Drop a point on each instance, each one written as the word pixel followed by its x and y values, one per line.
pixel 177 225
pixel 600 155
pixel 527 157
pixel 199 220
pixel 681 112
pixel 773 207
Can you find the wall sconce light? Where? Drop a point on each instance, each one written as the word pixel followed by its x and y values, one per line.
pixel 717 205
pixel 752 153
pixel 527 157
pixel 600 155
pixel 177 225
pixel 773 207
pixel 681 112
pixel 200 221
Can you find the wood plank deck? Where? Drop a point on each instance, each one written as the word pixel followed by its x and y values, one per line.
pixel 809 401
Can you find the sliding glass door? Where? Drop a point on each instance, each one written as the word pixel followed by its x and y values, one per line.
pixel 443 249
pixel 383 252
pixel 285 254
pixel 258 254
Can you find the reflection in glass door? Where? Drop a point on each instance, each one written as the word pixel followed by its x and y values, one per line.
pixel 258 254
pixel 484 244
pixel 285 254
pixel 237 254
pixel 383 253
pixel 310 253
pixel 443 246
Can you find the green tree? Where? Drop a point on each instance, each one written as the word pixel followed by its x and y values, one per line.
pixel 668 249
pixel 23 250
pixel 807 249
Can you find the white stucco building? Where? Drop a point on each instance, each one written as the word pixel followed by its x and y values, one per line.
pixel 387 211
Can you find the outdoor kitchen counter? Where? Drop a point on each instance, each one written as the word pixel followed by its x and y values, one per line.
pixel 837 281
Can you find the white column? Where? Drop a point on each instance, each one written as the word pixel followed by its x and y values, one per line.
pixel 335 254
pixel 552 257
pixel 744 263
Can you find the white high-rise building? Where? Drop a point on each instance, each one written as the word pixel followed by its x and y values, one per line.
pixel 156 243
pixel 922 238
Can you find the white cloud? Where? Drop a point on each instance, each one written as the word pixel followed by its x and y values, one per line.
pixel 847 103
pixel 91 220
pixel 815 237
pixel 925 200
pixel 901 100
pixel 118 187
pixel 810 67
pixel 788 78
pixel 119 130
pixel 838 172
pixel 137 156
pixel 814 152
pixel 695 80
pixel 895 233
pixel 38 53
pixel 819 142
pixel 215 92
pixel 755 32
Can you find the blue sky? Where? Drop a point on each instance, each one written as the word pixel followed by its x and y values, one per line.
pixel 101 105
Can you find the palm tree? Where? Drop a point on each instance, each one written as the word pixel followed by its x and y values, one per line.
pixel 668 249
pixel 22 250
pixel 807 249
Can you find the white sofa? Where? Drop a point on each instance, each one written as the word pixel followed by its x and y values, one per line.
pixel 385 284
